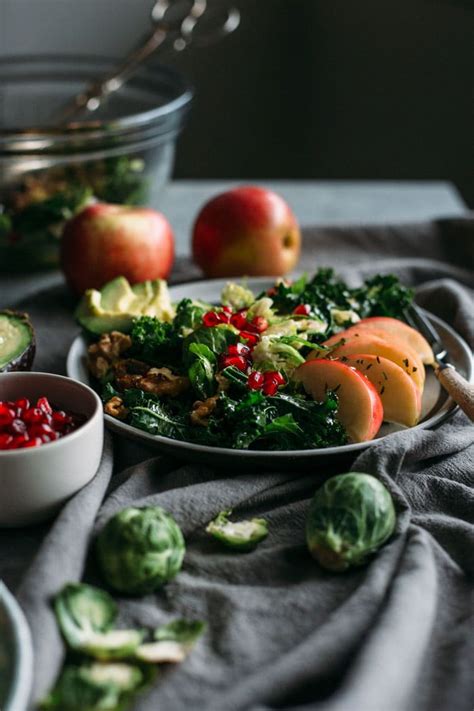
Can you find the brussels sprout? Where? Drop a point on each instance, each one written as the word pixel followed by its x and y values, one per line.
pixel 95 687
pixel 236 295
pixel 349 518
pixel 85 615
pixel 173 643
pixel 240 535
pixel 272 353
pixel 262 307
pixel 140 549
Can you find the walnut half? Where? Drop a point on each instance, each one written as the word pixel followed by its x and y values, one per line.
pixel 116 408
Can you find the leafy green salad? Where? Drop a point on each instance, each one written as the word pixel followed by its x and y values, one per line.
pixel 222 375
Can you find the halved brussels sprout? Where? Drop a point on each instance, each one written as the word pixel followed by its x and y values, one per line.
pixel 240 535
pixel 95 687
pixel 140 549
pixel 349 518
pixel 85 615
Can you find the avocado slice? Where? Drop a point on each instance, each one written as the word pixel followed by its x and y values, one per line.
pixel 17 341
pixel 117 295
pixel 160 303
pixel 116 306
pixel 96 321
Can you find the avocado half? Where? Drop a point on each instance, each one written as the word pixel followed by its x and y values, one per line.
pixel 17 341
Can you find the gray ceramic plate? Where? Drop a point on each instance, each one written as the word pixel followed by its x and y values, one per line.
pixel 437 406
pixel 16 654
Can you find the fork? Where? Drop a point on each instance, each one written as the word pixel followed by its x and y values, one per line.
pixel 461 391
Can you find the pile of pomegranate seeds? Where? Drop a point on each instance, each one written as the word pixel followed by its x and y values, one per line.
pixel 267 382
pixel 249 330
pixel 240 355
pixel 23 424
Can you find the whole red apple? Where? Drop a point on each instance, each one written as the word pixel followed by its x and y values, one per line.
pixel 246 231
pixel 104 241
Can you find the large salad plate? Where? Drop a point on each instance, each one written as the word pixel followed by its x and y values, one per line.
pixel 16 654
pixel 437 405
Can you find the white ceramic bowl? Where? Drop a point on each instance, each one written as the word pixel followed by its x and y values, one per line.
pixel 35 482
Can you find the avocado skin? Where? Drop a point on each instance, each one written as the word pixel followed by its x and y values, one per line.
pixel 25 359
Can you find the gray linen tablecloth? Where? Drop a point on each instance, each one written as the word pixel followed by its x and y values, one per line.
pixel 282 633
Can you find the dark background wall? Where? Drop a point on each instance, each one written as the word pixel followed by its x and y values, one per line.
pixel 340 89
pixel 305 88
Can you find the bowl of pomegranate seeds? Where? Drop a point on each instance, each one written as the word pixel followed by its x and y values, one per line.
pixel 51 438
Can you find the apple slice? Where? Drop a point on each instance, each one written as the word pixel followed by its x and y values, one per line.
pixel 401 331
pixel 378 343
pixel 400 397
pixel 360 407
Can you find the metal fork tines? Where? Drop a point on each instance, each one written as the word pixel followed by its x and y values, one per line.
pixel 416 318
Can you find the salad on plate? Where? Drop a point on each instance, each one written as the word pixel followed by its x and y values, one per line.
pixel 309 363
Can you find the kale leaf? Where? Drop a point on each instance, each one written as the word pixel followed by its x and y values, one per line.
pixel 202 370
pixel 382 295
pixel 155 341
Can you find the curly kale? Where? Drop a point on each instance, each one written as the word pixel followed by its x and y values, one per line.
pixel 378 296
pixel 155 342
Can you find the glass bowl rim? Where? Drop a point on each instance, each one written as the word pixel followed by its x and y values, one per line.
pixel 94 127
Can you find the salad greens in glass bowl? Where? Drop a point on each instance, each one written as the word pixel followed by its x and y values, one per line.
pixel 226 375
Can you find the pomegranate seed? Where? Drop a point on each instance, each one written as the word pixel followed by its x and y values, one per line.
pixel 34 442
pixel 223 317
pixel 19 441
pixel 272 291
pixel 43 405
pixel 270 387
pixel 22 403
pixel 210 319
pixel 227 309
pixel 33 415
pixel 274 375
pixel 238 349
pixel 302 310
pixel 18 427
pixel 237 361
pixel 239 320
pixel 61 421
pixel 5 441
pixel 7 415
pixel 255 380
pixel 251 338
pixel 37 430
pixel 260 324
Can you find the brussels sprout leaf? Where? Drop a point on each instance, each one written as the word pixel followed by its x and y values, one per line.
pixel 240 535
pixel 173 643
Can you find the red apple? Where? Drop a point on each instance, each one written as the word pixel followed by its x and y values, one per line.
pixel 105 241
pixel 248 231
pixel 360 407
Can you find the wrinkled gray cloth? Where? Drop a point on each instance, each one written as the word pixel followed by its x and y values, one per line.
pixel 283 633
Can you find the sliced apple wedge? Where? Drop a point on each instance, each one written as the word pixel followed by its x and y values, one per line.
pixel 400 397
pixel 378 343
pixel 402 332
pixel 360 407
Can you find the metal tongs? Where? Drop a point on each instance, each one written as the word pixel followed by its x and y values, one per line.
pixel 176 25
pixel 461 391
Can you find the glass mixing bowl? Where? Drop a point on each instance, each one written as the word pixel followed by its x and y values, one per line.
pixel 123 153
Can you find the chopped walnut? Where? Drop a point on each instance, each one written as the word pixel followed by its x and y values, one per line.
pixel 202 410
pixel 107 350
pixel 161 381
pixel 116 408
pixel 130 366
